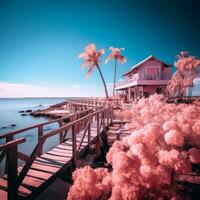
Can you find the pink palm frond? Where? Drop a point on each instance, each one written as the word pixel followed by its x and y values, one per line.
pixel 109 58
pixel 91 59
pixel 115 54
pixel 90 56
pixel 90 49
pixel 89 72
pixel 122 59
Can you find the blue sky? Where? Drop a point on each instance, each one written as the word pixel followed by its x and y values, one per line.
pixel 40 40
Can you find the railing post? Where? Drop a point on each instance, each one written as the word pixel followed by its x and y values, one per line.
pixel 98 131
pixel 89 132
pixel 61 133
pixel 110 115
pixel 40 134
pixel 74 148
pixel 12 172
pixel 107 117
pixel 8 139
pixel 103 115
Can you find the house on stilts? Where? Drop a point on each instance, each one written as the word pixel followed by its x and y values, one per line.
pixel 147 77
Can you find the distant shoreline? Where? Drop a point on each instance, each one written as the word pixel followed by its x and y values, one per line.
pixel 49 97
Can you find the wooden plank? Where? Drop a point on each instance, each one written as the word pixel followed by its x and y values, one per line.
pixel 56 158
pixel 3 195
pixel 45 167
pixel 60 153
pixel 48 162
pixel 37 173
pixel 64 146
pixel 22 190
pixel 32 183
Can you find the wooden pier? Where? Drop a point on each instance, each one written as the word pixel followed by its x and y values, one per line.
pixel 73 105
pixel 76 133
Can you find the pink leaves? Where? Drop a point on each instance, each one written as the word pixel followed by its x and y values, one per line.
pixel 115 54
pixel 194 154
pixel 90 184
pixel 186 71
pixel 174 137
pixel 91 56
pixel 90 71
pixel 143 162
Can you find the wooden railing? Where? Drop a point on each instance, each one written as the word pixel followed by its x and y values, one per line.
pixel 136 80
pixel 75 104
pixel 95 102
pixel 100 118
pixel 40 131
pixel 10 150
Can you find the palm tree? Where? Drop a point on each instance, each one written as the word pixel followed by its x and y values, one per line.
pixel 91 59
pixel 115 54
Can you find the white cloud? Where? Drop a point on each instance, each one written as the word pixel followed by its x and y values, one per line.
pixel 76 86
pixel 4 86
pixel 18 90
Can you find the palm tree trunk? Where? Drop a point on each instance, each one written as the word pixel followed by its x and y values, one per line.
pixel 114 77
pixel 104 83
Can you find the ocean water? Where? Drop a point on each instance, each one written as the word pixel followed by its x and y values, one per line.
pixel 9 115
pixel 10 107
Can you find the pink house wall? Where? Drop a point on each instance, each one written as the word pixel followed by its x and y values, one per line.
pixel 164 72
pixel 150 63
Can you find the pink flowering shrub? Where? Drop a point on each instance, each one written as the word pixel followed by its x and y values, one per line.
pixel 194 155
pixel 90 184
pixel 174 137
pixel 164 139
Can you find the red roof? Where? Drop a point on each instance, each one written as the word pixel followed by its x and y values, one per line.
pixel 143 61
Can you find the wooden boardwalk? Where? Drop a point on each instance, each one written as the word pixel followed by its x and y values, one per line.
pixel 41 169
pixel 73 105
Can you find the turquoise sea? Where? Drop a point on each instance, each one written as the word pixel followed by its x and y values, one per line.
pixel 10 107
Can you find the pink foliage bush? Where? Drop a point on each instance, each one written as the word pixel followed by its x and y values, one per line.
pixel 90 184
pixel 194 155
pixel 144 161
pixel 174 137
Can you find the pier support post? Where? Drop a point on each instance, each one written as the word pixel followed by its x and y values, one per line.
pixel 103 116
pixel 12 173
pixel 74 153
pixel 98 131
pixel 8 139
pixel 61 133
pixel 40 134
pixel 89 132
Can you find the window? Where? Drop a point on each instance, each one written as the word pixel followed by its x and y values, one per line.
pixel 152 73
